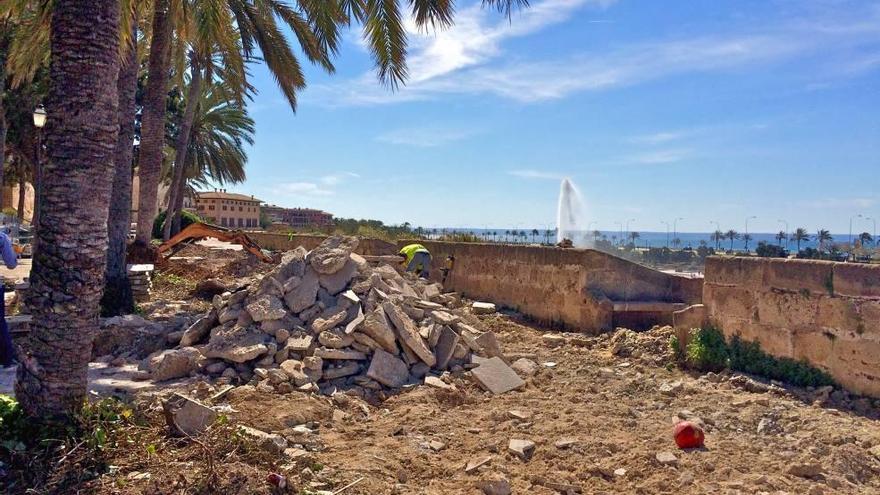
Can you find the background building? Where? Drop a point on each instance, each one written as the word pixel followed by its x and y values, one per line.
pixel 298 218
pixel 228 209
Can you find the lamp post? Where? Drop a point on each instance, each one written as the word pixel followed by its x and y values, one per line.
pixel 627 227
pixel 667 232
pixel 40 117
pixel 746 235
pixel 850 234
pixel 717 229
pixel 620 228
pixel 787 240
pixel 675 227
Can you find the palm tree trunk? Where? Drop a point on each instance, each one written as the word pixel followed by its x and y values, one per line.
pixel 118 298
pixel 69 263
pixel 178 207
pixel 153 122
pixel 4 43
pixel 189 113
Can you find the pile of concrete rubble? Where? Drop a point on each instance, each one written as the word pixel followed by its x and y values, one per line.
pixel 326 318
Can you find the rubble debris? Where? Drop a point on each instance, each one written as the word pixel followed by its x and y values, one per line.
pixel 476 464
pixel 326 319
pixel 666 458
pixel 496 376
pixel 495 487
pixel 483 308
pixel 187 417
pixel 521 448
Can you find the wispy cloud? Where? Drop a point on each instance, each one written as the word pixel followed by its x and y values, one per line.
pixel 322 186
pixel 536 174
pixel 658 157
pixel 658 137
pixel 463 59
pixel 427 137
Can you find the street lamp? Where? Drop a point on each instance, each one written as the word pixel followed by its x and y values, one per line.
pixel 667 232
pixel 675 227
pixel 850 227
pixel 620 228
pixel 40 117
pixel 746 236
pixel 787 240
pixel 627 226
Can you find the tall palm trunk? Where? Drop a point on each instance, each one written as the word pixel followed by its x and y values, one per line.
pixel 118 298
pixel 22 189
pixel 4 44
pixel 69 263
pixel 153 122
pixel 182 144
pixel 178 206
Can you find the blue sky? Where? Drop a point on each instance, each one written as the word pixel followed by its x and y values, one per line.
pixel 706 110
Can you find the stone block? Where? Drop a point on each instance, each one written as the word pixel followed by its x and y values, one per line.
pixel 200 329
pixel 734 302
pixel 786 309
pixel 388 370
pixel 483 308
pixel 409 333
pixel 799 275
pixel 723 270
pixel 445 347
pixel 496 376
pixel 490 346
pixel 304 294
pixel 814 346
pixel 325 353
pixel 187 417
pixel 379 328
pixel 856 280
pixel 838 313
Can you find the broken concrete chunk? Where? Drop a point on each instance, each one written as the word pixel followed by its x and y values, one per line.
pixel 332 254
pixel 173 363
pixel 187 417
pixel 476 464
pixel 304 294
pixel 266 307
pixel 495 487
pixel 325 353
pixel 490 346
pixel 666 458
pixel 336 282
pixel 409 333
pixel 299 342
pixel 445 347
pixel 335 339
pixel 483 308
pixel 322 324
pixel 199 330
pixel 433 381
pixel 379 327
pixel 388 370
pixel 521 448
pixel 496 376
pixel 444 317
pixel 351 326
pixel 347 369
pixel 525 367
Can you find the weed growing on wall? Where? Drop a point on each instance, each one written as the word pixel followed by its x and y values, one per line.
pixel 707 350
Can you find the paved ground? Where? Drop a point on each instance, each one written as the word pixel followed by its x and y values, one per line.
pixel 104 380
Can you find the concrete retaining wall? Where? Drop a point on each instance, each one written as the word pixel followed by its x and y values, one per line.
pixel 574 288
pixel 824 312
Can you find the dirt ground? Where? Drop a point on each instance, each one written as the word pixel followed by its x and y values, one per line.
pixel 612 399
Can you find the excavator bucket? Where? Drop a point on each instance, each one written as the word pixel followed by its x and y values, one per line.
pixel 200 230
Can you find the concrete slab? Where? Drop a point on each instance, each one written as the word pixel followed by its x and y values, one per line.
pixel 388 370
pixel 496 376
pixel 445 347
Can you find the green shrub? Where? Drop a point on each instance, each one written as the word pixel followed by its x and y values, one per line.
pixel 706 350
pixel 186 218
pixel 749 358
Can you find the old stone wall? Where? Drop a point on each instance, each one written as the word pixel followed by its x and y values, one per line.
pixel 282 242
pixel 824 312
pixel 574 288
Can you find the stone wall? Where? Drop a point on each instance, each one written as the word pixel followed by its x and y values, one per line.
pixel 573 288
pixel 824 312
pixel 282 242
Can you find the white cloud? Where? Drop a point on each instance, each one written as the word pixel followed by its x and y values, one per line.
pixel 660 157
pixel 424 137
pixel 536 174
pixel 463 59
pixel 334 179
pixel 659 137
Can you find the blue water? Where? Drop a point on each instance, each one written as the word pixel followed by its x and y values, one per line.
pixel 652 239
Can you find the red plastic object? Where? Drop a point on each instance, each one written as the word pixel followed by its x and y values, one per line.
pixel 276 479
pixel 688 435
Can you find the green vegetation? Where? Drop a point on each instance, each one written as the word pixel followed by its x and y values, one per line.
pixel 186 218
pixel 707 350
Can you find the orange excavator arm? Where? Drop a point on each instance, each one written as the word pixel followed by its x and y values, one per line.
pixel 201 230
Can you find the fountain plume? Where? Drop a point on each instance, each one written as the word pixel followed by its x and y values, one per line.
pixel 571 215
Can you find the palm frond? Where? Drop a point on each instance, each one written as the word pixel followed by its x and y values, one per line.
pixel 384 32
pixel 436 13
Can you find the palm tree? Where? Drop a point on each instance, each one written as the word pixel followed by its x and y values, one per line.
pixel 634 236
pixel 865 238
pixel 800 234
pixel 718 236
pixel 781 236
pixel 823 236
pixel 747 238
pixel 66 279
pixel 732 235
pixel 535 233
pixel 676 242
pixel 506 235
pixel 118 298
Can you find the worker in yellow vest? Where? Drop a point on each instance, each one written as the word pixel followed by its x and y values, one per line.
pixel 416 258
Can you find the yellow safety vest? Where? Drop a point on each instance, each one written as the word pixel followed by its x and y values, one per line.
pixel 411 250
